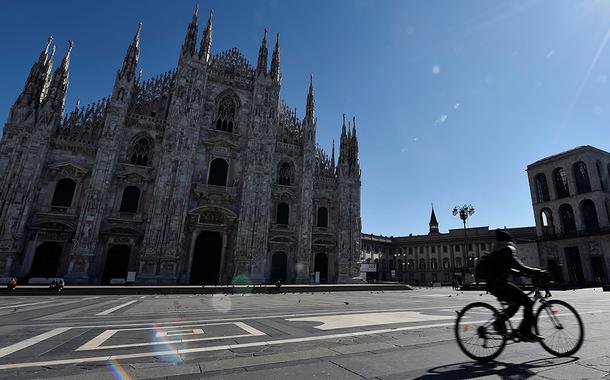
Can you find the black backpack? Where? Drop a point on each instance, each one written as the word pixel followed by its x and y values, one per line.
pixel 483 268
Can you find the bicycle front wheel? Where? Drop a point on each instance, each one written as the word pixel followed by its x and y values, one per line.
pixel 561 327
pixel 476 334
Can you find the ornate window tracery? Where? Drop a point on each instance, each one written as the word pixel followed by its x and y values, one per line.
pixel 225 118
pixel 141 152
pixel 285 174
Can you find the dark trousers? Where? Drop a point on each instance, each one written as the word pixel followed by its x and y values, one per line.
pixel 515 297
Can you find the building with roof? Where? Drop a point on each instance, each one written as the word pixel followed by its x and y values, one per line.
pixel 571 201
pixel 199 175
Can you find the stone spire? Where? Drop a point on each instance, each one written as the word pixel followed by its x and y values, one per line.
pixel 190 40
pixel 205 49
pixel 128 71
pixel 354 143
pixel 59 83
pixel 311 103
pixel 37 83
pixel 275 60
pixel 261 65
pixel 332 157
pixel 433 223
pixel 342 143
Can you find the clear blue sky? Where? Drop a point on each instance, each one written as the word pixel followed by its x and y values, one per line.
pixel 452 98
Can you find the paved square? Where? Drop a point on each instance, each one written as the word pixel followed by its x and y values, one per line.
pixel 347 335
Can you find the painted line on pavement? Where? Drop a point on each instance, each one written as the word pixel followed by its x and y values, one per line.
pixel 113 309
pixel 233 346
pixel 31 341
pixel 24 304
pixel 96 343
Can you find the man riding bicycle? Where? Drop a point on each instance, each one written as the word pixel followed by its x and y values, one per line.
pixel 494 269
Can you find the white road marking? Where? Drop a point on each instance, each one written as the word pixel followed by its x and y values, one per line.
pixel 24 304
pixel 113 309
pixel 233 346
pixel 162 334
pixel 331 322
pixel 96 343
pixel 31 341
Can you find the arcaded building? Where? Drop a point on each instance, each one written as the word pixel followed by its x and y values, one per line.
pixel 195 176
pixel 571 201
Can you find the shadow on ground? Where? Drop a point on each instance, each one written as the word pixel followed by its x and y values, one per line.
pixel 468 370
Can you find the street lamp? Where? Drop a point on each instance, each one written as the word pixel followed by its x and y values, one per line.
pixel 464 212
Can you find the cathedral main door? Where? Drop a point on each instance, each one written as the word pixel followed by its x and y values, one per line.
pixel 278 267
pixel 321 265
pixel 46 260
pixel 117 261
pixel 205 267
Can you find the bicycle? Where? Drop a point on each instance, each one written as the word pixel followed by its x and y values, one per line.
pixel 482 334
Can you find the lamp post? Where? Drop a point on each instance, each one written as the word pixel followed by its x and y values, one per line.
pixel 464 212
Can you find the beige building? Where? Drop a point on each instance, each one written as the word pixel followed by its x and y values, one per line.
pixel 438 257
pixel 571 200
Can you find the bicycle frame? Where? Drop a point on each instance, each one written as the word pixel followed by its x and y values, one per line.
pixel 536 296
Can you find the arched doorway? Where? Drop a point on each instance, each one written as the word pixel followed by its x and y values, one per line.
pixel 205 268
pixel 321 265
pixel 278 267
pixel 117 261
pixel 46 260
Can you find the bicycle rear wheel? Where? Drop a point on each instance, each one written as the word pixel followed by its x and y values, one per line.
pixel 475 332
pixel 561 327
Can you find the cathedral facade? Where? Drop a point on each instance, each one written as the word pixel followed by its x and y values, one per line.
pixel 199 175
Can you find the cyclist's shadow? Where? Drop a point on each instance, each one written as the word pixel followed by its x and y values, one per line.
pixel 468 370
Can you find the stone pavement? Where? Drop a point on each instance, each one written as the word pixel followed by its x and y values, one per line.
pixel 342 335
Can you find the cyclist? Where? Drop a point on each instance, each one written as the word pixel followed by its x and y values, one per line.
pixel 494 268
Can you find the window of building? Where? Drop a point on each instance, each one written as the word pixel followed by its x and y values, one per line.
pixel 141 152
pixel 285 174
pixel 433 249
pixel 422 264
pixel 64 192
pixel 219 169
pixel 600 174
pixel 433 264
pixel 421 249
pixel 561 183
pixel 583 185
pixel 130 200
pixel 410 250
pixel 322 217
pixel 225 118
pixel 410 264
pixel 444 248
pixel 482 246
pixel 470 246
pixel 283 213
pixel 542 189
pixel 457 247
pixel 446 264
pixel 458 262
pixel 568 224
pixel 589 216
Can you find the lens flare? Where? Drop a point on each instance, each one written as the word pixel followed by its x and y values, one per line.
pixel 243 284
pixel 118 371
pixel 166 346
pixel 221 303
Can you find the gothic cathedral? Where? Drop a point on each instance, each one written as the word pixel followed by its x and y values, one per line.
pixel 199 175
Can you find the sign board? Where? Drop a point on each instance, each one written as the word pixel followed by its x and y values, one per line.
pixel 368 267
pixel 131 277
